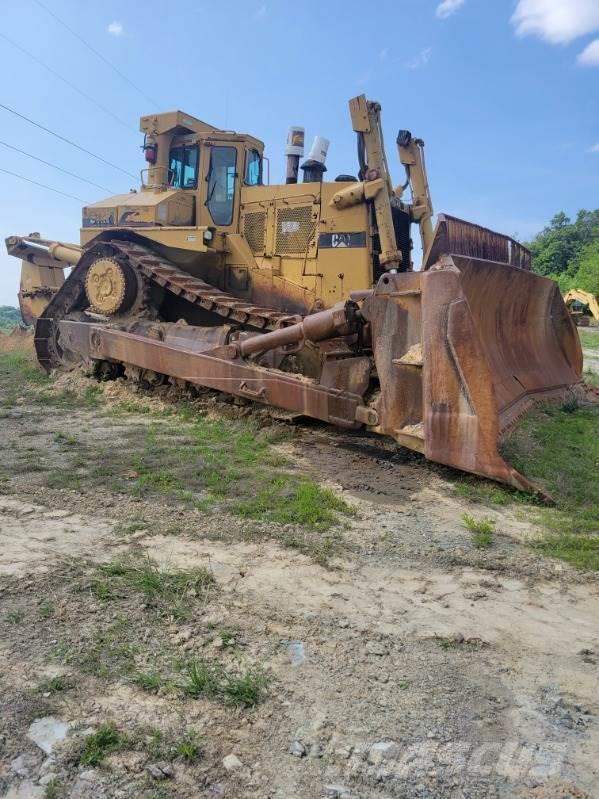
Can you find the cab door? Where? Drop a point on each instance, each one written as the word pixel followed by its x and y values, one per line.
pixel 219 194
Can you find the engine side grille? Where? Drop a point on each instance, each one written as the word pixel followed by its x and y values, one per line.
pixel 254 230
pixel 295 230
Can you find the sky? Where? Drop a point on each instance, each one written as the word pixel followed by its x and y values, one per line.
pixel 505 94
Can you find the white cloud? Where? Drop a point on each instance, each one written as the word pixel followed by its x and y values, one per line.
pixel 384 54
pixel 116 28
pixel 590 55
pixel 261 11
pixel 556 21
pixel 448 7
pixel 594 148
pixel 420 60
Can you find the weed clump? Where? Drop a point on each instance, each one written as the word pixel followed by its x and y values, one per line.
pixel 482 530
pixel 242 687
pixel 118 577
pixel 96 746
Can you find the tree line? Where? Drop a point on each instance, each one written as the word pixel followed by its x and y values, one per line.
pixel 9 317
pixel 568 251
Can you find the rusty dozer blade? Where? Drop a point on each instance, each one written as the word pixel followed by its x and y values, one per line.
pixel 466 346
pixel 455 236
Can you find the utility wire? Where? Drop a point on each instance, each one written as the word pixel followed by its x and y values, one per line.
pixel 54 166
pixel 95 52
pixel 68 141
pixel 43 185
pixel 65 80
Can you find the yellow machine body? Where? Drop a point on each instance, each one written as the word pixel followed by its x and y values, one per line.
pixel 304 295
pixel 290 242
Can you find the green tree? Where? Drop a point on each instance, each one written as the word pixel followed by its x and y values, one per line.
pixel 561 248
pixel 587 276
pixel 9 317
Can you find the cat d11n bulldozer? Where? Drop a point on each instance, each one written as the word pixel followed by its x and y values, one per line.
pixel 304 295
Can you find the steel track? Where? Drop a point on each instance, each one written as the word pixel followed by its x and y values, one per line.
pixel 151 267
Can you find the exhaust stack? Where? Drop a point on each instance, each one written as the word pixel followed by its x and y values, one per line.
pixel 314 166
pixel 294 151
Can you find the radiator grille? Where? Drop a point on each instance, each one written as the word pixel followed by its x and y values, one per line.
pixel 254 230
pixel 295 230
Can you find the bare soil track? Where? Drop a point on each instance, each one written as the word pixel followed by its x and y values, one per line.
pixel 402 662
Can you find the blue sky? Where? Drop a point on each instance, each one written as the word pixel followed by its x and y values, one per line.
pixel 505 94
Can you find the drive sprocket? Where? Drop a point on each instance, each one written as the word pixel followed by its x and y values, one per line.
pixel 111 286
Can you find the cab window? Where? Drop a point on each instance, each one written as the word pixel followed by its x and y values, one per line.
pixel 221 184
pixel 253 168
pixel 183 167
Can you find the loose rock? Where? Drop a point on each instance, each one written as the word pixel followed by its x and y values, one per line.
pixel 160 771
pixel 297 749
pixel 376 648
pixel 232 762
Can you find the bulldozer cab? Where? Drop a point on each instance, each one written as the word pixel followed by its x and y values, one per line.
pixel 208 165
pixel 194 179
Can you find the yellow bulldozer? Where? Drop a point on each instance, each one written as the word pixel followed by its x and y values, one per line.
pixel 304 295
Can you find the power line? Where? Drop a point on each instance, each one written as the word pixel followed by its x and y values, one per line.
pixel 54 166
pixel 43 185
pixel 65 80
pixel 68 141
pixel 95 52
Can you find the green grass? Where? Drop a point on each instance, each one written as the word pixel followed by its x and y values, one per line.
pixel 243 687
pixel 130 526
pixel 178 454
pixel 96 746
pixel 55 789
pixel 45 610
pixel 589 339
pixel 229 463
pixel 65 438
pixel 150 579
pixel 203 678
pixel 226 636
pixel 558 447
pixel 188 748
pixel 20 375
pixel 107 652
pixel 20 365
pixel 581 551
pixel 482 530
pixel 288 501
pixel 590 377
pixel 486 492
pixel 149 681
pixel 57 685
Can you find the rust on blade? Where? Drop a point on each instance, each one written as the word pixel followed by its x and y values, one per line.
pixel 455 236
pixel 494 340
pixel 526 335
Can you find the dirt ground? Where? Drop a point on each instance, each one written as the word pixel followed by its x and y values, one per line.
pixel 406 664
